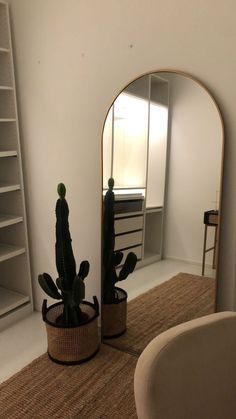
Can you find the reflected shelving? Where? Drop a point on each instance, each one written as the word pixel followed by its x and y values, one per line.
pixel 135 154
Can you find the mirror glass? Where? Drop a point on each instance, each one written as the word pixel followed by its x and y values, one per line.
pixel 162 144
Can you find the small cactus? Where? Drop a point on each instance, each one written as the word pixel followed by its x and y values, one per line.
pixel 69 286
pixel 112 259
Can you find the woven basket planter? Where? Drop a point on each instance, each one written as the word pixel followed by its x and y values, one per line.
pixel 71 344
pixel 114 316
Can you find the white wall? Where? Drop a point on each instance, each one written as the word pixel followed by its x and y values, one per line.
pixel 194 168
pixel 72 59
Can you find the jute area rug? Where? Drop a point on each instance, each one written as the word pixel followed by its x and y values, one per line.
pixel 103 387
pixel 182 298
pixel 99 389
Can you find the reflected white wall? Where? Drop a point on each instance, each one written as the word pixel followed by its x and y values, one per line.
pixel 194 168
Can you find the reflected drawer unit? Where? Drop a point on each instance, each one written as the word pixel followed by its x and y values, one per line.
pixel 128 205
pixel 129 222
pixel 137 250
pixel 124 225
pixel 125 241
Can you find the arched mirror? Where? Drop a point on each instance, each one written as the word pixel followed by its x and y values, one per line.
pixel 163 146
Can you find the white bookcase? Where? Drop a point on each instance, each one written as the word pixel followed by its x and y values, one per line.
pixel 15 280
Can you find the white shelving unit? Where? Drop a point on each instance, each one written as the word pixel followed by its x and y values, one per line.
pixel 8 153
pixel 11 300
pixel 15 280
pixel 135 155
pixel 8 220
pixel 8 252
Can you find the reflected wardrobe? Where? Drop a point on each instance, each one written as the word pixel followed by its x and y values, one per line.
pixel 135 145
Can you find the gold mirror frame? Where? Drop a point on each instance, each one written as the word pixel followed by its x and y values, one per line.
pixel 202 85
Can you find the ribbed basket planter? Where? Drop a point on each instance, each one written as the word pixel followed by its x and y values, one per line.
pixel 114 316
pixel 71 344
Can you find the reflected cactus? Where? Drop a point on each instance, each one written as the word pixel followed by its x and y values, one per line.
pixel 112 259
pixel 69 286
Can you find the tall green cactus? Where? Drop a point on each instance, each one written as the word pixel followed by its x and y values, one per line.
pixel 112 259
pixel 69 286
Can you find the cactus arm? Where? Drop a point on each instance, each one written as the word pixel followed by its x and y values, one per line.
pixel 78 291
pixel 96 304
pixel 47 284
pixel 84 269
pixel 128 267
pixel 117 258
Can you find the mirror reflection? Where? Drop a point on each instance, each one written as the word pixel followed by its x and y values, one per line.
pixel 162 145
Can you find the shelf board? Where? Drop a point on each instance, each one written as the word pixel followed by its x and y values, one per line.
pixel 8 251
pixel 8 153
pixel 7 119
pixel 4 50
pixel 10 300
pixel 128 214
pixel 8 187
pixel 128 197
pixel 8 220
pixel 6 88
pixel 149 210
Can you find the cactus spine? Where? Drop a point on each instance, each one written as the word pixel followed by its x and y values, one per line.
pixel 112 259
pixel 69 286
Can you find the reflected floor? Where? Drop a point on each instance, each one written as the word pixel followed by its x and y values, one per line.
pixel 143 279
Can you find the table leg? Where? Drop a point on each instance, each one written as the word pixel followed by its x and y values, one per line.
pixel 204 250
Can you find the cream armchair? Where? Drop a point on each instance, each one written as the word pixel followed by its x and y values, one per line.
pixel 189 371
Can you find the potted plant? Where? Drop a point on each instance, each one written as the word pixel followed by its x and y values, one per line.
pixel 114 299
pixel 71 324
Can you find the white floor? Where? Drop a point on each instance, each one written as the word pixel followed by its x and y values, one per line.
pixel 20 344
pixel 26 340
